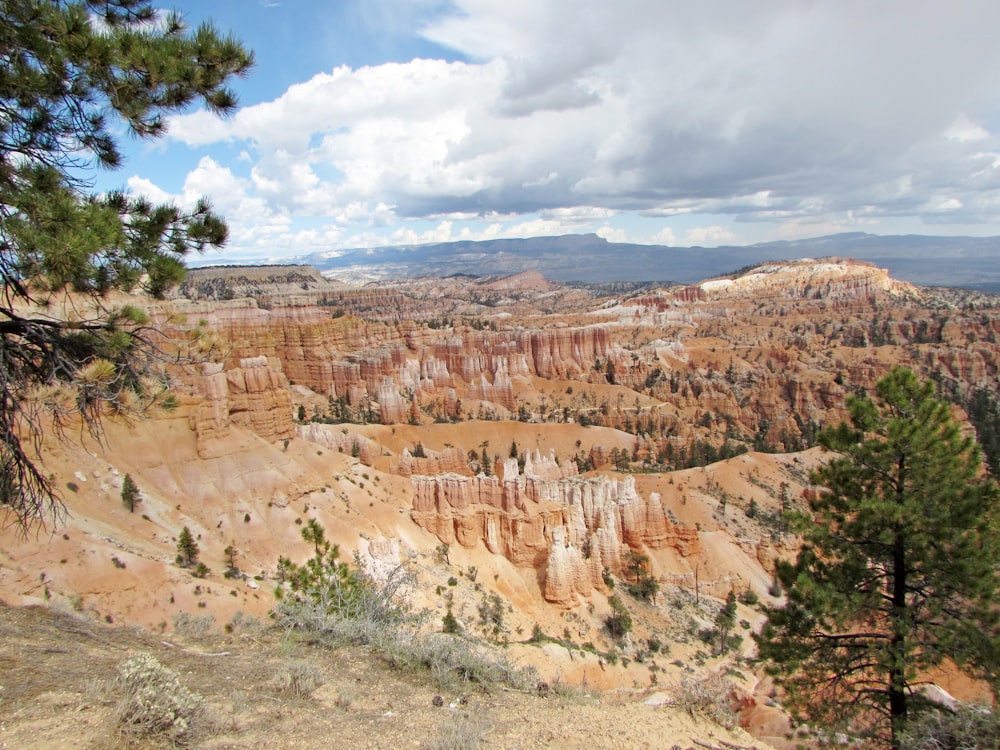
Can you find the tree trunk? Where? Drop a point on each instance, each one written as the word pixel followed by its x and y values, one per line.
pixel 897 649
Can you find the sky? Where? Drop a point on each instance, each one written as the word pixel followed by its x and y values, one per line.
pixel 386 122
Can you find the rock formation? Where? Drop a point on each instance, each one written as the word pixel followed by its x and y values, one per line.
pixel 253 395
pixel 549 518
pixel 359 446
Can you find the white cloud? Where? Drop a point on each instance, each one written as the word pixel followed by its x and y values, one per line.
pixel 944 204
pixel 572 111
pixel 664 237
pixel 142 186
pixel 963 129
pixel 612 234
pixel 578 214
pixel 714 235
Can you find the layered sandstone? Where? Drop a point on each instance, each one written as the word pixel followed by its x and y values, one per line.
pixel 549 518
pixel 253 395
pixel 399 366
pixel 362 448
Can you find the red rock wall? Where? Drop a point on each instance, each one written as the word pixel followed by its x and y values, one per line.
pixel 253 395
pixel 548 518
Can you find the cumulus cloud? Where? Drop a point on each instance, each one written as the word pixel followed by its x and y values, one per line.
pixel 664 237
pixel 713 235
pixel 569 112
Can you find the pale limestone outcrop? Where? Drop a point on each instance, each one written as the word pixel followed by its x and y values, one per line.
pixel 380 558
pixel 566 574
pixel 399 365
pixel 392 406
pixel 451 460
pixel 364 449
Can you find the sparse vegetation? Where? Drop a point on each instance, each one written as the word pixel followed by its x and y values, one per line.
pixel 491 615
pixel 461 730
pixel 193 626
pixel 187 549
pixel 707 697
pixel 232 570
pixel 454 663
pixel 449 623
pixel 968 727
pixel 619 622
pixel 299 678
pixel 153 704
pixel 724 639
pixel 643 584
pixel 327 595
pixel 344 605
pixel 130 493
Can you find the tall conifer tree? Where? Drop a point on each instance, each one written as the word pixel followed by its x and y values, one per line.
pixel 130 493
pixel 897 572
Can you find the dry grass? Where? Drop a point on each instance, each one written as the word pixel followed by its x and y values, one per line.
pixel 300 678
pixel 153 704
pixel 968 728
pixel 708 697
pixel 462 730
pixel 60 687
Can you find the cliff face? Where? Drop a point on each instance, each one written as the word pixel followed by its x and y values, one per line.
pixel 766 356
pixel 253 395
pixel 394 365
pixel 828 279
pixel 549 518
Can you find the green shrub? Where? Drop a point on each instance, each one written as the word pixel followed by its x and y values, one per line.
pixel 491 614
pixel 969 727
pixel 449 624
pixel 130 493
pixel 619 622
pixel 187 549
pixel 326 595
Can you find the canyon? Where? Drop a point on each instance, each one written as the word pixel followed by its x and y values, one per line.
pixel 506 439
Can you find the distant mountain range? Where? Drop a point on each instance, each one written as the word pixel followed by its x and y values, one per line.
pixel 969 262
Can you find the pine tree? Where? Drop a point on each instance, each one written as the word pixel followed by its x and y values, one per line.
pixel 75 75
pixel 725 621
pixel 130 493
pixel 232 570
pixel 187 549
pixel 896 574
pixel 449 623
